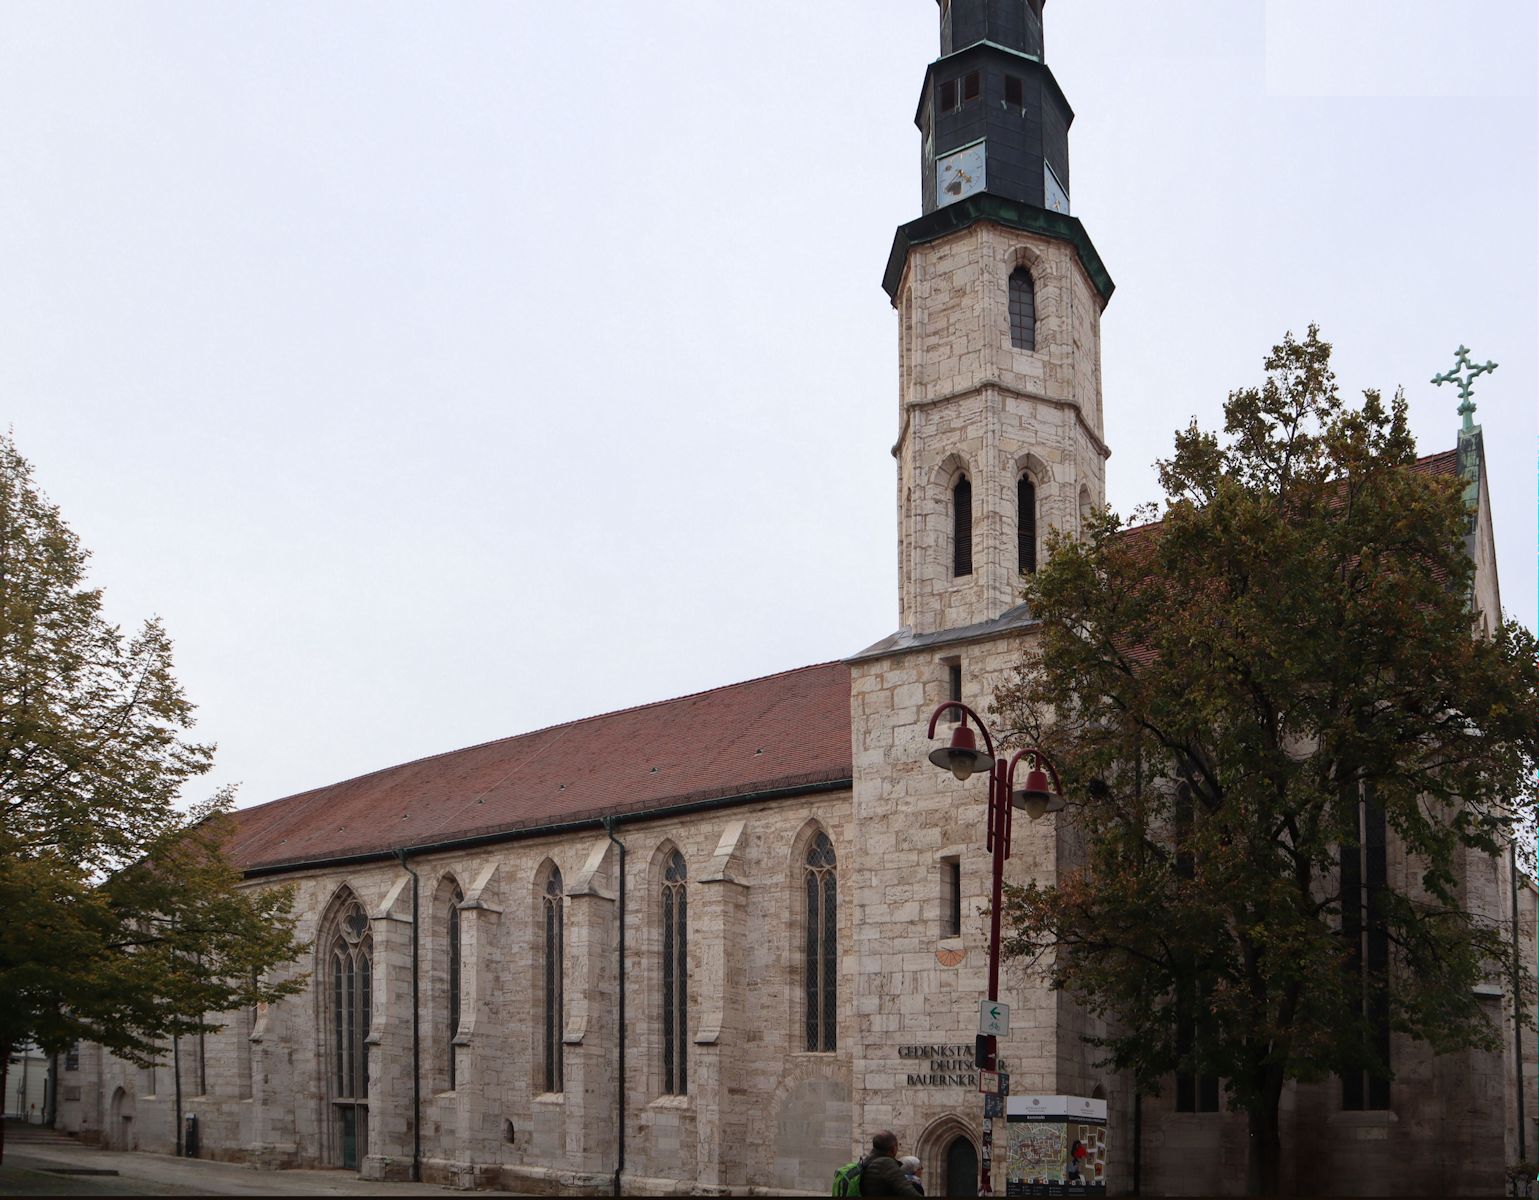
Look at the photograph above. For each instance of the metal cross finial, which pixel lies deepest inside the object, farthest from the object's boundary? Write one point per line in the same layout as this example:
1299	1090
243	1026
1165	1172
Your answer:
1466	382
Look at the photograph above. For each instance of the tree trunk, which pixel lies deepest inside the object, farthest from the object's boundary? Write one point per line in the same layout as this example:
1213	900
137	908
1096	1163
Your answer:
1263	1165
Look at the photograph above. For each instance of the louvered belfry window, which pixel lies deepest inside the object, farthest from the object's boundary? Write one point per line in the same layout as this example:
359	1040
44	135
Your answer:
1026	523
352	953
1023	310
962	527
675	977
821	965
455	899
554	951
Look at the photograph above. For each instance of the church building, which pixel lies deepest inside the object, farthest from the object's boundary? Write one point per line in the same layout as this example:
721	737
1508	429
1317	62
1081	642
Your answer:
714	943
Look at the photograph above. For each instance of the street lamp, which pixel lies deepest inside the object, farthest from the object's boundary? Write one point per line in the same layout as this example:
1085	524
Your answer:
963	758
1033	796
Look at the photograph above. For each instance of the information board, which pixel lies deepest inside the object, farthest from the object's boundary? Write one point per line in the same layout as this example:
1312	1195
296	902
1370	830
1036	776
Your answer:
1055	1146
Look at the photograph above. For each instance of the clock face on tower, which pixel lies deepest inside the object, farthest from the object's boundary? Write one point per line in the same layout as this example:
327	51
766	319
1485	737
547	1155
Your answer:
959	174
1053	192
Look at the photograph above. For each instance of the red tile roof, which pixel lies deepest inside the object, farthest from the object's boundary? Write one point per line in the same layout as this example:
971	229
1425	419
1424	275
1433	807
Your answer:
782	732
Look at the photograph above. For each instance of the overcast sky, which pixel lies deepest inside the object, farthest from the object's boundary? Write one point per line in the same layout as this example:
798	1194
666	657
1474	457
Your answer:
441	372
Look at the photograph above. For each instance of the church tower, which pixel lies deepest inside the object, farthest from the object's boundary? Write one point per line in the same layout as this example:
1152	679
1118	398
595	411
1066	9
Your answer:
999	293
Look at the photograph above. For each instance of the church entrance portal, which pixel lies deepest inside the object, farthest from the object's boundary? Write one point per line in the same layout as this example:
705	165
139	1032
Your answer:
961	1168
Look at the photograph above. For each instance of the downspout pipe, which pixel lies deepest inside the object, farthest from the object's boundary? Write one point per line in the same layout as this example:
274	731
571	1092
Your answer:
1517	1001
609	828
416	1024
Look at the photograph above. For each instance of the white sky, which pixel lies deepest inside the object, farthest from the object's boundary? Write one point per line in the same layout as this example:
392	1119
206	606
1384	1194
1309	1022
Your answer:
443	372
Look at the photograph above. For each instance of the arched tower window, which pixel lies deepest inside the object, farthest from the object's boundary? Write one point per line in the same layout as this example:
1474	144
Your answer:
821	965
1026	523
349	957
962	527
456	898
675	977
1023	310
554	963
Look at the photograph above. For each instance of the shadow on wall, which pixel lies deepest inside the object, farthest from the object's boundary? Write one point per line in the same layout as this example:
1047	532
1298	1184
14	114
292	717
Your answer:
813	1134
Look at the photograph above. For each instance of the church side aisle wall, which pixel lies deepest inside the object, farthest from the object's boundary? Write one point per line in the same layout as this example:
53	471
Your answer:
758	1107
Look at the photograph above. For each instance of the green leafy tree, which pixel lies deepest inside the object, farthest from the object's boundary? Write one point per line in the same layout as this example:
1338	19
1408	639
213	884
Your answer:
124	922
1224	691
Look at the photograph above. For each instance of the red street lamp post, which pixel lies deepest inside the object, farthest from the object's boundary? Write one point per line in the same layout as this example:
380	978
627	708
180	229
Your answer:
962	758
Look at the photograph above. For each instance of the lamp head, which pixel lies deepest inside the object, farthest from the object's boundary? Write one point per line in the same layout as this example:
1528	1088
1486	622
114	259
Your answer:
962	757
1035	795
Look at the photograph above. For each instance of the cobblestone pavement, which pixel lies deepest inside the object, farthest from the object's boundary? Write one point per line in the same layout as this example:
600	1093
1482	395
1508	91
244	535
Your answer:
31	1169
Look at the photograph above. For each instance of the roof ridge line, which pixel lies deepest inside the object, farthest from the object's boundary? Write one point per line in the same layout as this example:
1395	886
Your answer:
512	737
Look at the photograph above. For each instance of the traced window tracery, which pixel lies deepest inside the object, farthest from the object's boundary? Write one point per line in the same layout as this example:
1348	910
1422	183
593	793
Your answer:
554	964
820	964
456	898
675	973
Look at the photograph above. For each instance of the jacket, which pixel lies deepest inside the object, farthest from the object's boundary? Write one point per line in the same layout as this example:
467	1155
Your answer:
884	1177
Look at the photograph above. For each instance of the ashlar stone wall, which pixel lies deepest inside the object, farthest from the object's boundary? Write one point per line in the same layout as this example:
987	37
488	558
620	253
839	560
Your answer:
973	404
760	1109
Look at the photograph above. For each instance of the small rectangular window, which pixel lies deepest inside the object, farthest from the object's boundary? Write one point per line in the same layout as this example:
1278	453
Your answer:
970	88
948	95
951	897
1015	92
953	686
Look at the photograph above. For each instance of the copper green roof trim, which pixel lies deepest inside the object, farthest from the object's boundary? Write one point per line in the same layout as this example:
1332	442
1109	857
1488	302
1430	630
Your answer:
986	207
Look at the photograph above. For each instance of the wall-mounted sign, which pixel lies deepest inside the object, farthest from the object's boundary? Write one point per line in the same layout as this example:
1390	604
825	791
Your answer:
944	1064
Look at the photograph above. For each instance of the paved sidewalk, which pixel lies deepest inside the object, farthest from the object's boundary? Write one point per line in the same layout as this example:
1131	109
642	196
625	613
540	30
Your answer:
29	1167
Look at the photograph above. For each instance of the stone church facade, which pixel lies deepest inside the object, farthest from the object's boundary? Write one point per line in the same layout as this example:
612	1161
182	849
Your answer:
713	943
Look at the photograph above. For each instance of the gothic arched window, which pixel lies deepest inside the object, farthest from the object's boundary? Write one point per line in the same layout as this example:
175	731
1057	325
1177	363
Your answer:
456	898
962	527
1023	310
1026	523
550	909
675	976
821	964
350	963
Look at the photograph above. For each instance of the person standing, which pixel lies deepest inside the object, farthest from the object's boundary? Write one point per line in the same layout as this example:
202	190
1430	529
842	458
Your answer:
912	1169
883	1175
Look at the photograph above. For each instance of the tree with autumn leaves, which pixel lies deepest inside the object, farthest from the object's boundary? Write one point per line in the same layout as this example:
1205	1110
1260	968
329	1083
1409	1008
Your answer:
124	922
1234	693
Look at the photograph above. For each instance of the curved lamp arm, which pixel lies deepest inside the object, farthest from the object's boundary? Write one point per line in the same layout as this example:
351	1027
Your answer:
1039	759
988	742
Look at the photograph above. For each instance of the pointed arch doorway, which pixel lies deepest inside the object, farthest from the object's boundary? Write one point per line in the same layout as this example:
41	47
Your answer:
961	1167
950	1157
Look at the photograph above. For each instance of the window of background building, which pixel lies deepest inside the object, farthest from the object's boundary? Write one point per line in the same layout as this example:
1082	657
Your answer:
1364	869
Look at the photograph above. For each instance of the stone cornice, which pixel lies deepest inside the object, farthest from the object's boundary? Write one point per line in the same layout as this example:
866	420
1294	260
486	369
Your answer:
962	393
